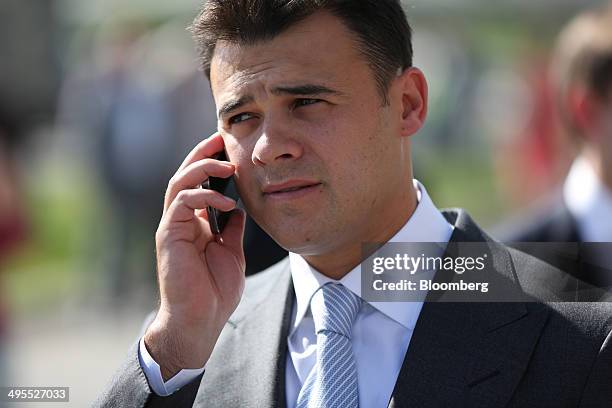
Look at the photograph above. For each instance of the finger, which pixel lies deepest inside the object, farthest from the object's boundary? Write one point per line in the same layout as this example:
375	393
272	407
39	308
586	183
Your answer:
194	174
206	148
188	201
233	235
202	214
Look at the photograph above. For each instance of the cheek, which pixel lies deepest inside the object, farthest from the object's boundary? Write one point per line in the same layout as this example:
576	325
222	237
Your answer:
342	136
237	151
239	154
365	167
358	174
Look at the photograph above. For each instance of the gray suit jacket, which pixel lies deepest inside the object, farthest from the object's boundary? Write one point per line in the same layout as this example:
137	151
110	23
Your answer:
531	354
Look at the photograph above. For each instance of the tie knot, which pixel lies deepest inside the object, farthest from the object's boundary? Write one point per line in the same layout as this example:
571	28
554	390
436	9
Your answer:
334	308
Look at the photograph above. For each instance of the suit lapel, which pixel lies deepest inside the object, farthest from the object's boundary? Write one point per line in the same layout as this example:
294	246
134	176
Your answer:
473	353
247	367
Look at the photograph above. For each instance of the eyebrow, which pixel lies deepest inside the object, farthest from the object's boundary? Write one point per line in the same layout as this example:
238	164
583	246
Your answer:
306	89
231	106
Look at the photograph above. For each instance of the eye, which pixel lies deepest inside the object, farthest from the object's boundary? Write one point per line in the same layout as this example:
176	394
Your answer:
305	102
239	118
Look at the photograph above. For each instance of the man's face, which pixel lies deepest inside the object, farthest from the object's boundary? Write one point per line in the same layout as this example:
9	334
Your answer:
303	110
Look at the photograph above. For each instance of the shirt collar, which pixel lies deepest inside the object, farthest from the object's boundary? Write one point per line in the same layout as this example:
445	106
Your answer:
589	202
426	224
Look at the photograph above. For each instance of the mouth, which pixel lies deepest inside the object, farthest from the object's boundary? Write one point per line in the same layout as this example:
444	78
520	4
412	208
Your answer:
291	189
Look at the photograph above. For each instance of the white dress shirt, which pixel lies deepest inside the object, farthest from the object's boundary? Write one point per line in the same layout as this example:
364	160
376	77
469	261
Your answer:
381	331
589	201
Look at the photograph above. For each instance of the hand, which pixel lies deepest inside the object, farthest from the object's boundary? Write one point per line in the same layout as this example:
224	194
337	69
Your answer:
200	280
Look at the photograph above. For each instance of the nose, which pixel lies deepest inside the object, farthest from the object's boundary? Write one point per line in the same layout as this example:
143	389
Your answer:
278	142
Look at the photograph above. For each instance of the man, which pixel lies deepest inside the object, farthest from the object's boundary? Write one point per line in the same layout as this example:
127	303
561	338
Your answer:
582	213
317	103
13	224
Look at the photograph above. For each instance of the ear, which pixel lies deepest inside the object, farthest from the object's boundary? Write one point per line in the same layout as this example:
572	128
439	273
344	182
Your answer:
413	88
584	112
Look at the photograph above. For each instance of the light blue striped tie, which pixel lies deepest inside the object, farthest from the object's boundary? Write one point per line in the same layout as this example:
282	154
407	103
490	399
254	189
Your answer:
333	380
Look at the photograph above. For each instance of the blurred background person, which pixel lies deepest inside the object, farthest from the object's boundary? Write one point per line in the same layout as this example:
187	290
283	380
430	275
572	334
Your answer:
24	53
123	116
13	225
581	211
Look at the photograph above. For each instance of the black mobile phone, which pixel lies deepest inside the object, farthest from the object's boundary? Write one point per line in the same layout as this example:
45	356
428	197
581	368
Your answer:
218	219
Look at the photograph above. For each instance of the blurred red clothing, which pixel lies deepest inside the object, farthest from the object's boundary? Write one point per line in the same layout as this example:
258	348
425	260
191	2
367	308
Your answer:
12	222
12	232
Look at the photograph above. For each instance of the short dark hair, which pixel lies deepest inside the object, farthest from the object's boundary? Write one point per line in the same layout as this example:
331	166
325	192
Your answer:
381	28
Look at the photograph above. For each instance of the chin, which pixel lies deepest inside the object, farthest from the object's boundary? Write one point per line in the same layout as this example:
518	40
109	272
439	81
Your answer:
305	243
303	233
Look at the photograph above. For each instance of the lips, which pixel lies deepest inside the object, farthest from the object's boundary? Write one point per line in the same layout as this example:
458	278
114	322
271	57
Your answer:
288	186
289	189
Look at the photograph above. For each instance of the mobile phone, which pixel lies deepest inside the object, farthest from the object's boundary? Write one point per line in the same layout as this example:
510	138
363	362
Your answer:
218	219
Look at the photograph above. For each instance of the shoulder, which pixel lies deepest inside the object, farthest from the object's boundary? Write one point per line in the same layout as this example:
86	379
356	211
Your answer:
262	281
548	220
572	306
258	288
584	308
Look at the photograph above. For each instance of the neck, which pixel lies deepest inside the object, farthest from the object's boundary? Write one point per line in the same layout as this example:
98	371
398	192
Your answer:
342	260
